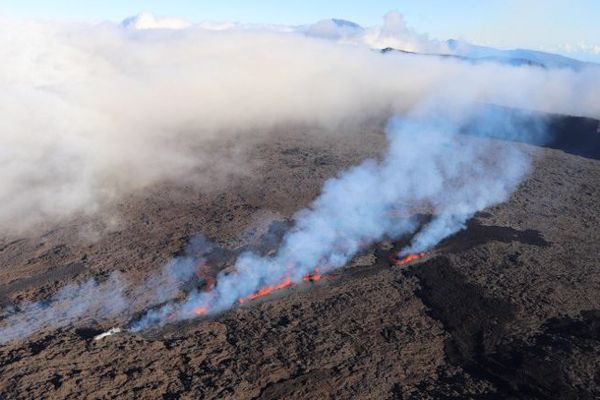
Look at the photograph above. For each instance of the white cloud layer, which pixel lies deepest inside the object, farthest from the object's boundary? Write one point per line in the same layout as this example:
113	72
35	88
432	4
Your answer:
91	112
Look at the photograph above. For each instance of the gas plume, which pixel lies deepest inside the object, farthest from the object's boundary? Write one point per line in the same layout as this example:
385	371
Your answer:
429	163
98	300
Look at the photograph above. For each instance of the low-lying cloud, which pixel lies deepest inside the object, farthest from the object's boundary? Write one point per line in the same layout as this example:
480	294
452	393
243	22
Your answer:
91	112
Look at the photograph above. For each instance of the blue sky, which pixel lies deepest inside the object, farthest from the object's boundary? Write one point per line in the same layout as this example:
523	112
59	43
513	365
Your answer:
551	25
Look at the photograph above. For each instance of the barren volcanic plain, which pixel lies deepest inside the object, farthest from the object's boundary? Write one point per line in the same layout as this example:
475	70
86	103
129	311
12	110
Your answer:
507	308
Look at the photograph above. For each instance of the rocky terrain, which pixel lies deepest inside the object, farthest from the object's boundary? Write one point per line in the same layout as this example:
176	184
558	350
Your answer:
507	308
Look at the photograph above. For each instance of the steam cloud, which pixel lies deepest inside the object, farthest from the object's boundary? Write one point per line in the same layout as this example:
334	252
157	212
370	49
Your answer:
91	112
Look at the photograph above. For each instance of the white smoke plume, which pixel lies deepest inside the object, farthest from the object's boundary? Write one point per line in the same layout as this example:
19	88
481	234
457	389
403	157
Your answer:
92	112
100	300
91	300
428	163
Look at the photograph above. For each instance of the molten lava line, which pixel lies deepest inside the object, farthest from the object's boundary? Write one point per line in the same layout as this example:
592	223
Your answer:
267	290
409	258
200	311
313	277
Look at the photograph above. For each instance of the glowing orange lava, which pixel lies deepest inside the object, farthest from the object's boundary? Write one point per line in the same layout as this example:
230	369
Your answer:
312	277
200	311
267	290
409	258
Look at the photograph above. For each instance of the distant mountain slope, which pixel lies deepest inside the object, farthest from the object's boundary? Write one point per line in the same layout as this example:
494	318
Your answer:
510	61
393	35
339	28
516	56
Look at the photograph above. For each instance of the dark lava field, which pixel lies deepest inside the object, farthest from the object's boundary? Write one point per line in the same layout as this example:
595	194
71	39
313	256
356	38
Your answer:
508	308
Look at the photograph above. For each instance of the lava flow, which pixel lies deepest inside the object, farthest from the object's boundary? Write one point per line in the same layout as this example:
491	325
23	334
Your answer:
200	311
409	258
267	290
312	277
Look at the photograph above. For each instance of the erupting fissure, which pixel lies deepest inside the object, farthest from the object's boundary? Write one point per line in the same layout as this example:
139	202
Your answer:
428	162
267	290
286	283
410	258
314	276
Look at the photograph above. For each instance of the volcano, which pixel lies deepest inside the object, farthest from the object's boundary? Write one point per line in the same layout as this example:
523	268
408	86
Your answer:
506	308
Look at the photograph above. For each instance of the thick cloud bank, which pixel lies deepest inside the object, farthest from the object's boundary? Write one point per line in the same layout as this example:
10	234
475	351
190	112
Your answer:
90	112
